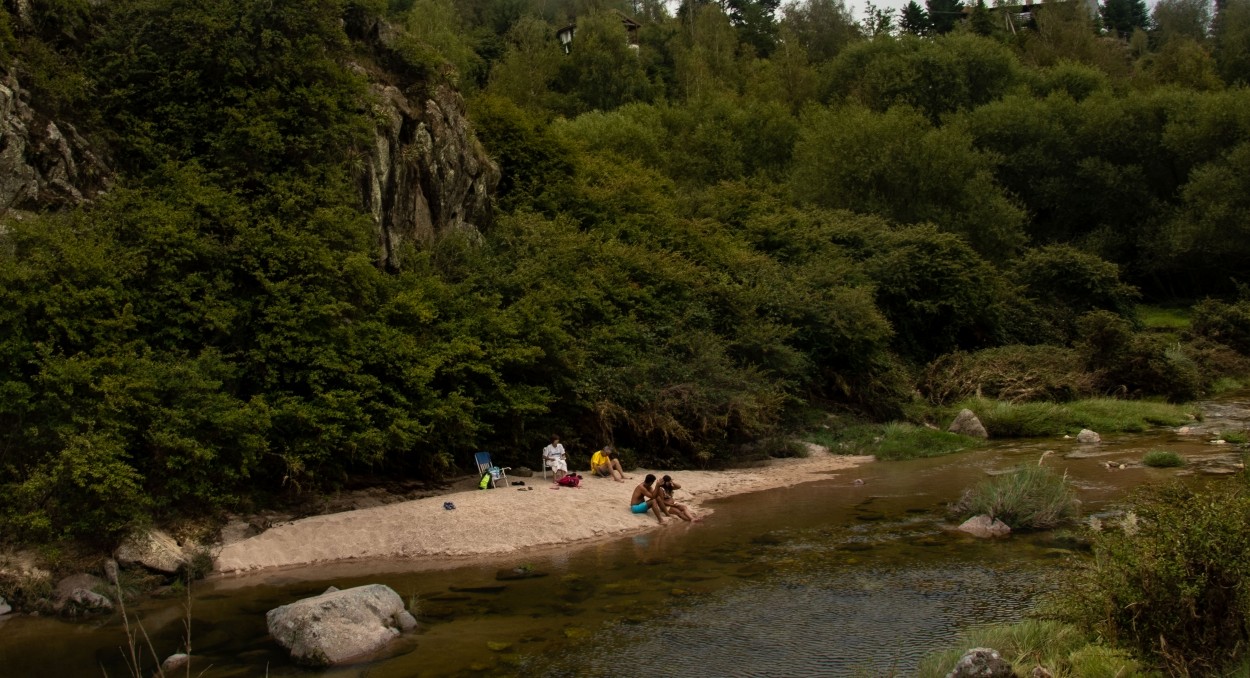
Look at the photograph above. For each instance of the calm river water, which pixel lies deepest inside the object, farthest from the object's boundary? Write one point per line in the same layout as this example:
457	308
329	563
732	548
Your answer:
823	579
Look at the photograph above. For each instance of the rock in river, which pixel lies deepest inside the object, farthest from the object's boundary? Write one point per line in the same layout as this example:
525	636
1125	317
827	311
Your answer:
339	626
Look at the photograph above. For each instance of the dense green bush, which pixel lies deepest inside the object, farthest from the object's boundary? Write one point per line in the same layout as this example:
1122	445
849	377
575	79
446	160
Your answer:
1228	324
1174	583
1135	364
1031	498
1162	459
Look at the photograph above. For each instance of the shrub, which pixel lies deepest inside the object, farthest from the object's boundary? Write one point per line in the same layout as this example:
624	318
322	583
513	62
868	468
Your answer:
1162	459
1011	373
891	442
1176	588
1136	364
1228	324
1031	498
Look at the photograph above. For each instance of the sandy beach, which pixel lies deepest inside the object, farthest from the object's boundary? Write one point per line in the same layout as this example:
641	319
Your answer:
506	519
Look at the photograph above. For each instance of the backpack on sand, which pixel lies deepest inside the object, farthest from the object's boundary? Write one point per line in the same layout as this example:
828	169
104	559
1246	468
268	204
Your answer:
570	480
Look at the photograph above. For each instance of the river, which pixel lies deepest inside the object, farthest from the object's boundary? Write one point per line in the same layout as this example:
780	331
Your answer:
827	578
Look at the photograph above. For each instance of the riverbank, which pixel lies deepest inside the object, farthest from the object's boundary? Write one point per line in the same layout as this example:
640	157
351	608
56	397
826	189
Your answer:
507	519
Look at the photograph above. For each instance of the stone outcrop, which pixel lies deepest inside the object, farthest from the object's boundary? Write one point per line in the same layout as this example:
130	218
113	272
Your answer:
44	163
152	549
337	627
425	174
981	662
985	527
967	424
5	608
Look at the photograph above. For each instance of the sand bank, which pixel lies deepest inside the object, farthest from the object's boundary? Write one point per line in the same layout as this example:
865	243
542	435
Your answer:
504	520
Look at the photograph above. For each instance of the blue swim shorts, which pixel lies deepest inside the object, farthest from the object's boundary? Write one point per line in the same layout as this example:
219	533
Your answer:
640	507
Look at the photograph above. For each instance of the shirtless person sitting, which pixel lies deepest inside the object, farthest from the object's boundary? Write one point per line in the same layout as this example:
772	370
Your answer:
664	499
606	463
644	498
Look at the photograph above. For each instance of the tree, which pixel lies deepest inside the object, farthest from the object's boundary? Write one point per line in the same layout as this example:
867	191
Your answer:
980	21
1123	16
823	27
944	14
1174	19
1232	41
603	72
756	23
878	21
897	165
914	19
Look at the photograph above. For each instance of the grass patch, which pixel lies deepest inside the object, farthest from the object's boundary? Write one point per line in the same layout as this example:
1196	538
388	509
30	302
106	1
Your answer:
1060	648
1031	498
1236	437
1163	318
1105	415
1226	384
1162	459
890	442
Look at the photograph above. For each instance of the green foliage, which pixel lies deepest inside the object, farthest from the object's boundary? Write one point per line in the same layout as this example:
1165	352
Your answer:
603	72
1163	459
534	164
933	76
1064	650
1038	419
1030	498
1133	363
1172	583
894	441
1062	283
900	167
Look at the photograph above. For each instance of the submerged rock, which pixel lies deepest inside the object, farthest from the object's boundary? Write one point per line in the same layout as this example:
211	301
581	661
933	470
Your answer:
967	424
981	662
985	527
339	626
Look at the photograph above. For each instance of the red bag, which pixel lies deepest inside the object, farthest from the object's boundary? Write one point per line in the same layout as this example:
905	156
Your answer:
570	480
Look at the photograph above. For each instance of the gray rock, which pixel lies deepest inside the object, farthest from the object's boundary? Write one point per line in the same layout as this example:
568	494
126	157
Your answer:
152	549
110	571
5	608
44	163
985	527
406	621
338	627
82	601
426	174
1088	436
332	589
981	662
175	662
967	424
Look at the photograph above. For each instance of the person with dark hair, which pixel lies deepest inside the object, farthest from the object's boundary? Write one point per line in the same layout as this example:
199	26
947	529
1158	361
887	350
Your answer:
644	498
664	499
556	458
605	463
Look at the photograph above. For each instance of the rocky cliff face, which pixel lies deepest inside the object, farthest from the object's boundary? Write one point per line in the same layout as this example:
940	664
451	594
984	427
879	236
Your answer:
425	174
44	164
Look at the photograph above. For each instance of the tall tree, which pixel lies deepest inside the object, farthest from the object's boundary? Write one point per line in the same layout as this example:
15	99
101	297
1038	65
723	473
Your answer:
1232	40
1124	16
823	27
914	19
1181	19
944	14
878	21
981	22
756	23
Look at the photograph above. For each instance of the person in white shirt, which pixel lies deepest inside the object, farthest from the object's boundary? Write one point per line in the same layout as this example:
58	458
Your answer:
556	458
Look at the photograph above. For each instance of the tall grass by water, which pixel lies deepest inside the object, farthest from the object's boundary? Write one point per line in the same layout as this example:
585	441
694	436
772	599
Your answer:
1105	415
894	441
1062	649
1163	459
1030	498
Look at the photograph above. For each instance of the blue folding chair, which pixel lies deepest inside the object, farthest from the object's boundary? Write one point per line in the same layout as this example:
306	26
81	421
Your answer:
485	465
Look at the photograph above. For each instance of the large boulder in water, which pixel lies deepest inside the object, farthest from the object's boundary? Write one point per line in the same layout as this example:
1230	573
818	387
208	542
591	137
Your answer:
981	662
337	627
1088	436
967	424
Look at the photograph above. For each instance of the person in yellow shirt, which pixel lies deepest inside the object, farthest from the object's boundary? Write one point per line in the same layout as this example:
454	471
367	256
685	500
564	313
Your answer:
605	463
